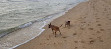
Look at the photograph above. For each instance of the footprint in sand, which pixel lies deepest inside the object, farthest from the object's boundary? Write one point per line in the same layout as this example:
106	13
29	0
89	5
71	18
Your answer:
47	44
75	47
82	28
84	17
82	41
101	29
99	25
93	34
47	39
76	41
65	40
64	37
54	43
91	28
83	22
100	39
98	32
108	14
105	9
91	41
88	24
40	43
74	34
97	21
97	18
109	19
84	47
90	38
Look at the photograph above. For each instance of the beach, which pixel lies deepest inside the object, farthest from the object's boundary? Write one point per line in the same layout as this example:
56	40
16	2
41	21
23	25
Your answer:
23	20
90	29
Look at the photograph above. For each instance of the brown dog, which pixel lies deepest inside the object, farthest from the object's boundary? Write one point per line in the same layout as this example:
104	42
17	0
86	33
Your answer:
67	24
54	28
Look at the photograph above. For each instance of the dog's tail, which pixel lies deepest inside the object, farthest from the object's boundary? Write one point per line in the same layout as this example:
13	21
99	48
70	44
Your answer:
61	25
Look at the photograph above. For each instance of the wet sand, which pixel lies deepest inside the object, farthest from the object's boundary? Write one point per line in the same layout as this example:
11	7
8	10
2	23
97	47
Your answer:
90	29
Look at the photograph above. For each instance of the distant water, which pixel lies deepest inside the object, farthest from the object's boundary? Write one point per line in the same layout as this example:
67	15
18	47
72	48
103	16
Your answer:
15	13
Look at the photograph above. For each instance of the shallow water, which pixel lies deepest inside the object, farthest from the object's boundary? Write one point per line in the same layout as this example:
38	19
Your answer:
17	12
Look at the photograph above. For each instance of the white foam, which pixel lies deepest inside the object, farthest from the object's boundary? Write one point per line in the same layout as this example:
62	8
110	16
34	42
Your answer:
31	38
25	25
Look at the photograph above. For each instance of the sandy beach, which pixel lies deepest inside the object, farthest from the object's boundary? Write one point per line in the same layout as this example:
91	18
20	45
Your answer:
90	29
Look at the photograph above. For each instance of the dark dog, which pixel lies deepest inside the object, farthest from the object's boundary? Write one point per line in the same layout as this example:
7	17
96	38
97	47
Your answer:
67	24
54	28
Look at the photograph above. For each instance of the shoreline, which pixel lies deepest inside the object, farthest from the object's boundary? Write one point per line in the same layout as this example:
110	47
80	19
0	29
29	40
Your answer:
10	30
82	33
25	25
31	38
55	16
5	31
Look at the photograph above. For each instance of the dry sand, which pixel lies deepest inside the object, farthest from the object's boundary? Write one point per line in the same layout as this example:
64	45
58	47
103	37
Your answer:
90	29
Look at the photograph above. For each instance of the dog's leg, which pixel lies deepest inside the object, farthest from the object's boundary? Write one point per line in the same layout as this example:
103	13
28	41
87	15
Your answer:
55	33
60	32
69	26
65	26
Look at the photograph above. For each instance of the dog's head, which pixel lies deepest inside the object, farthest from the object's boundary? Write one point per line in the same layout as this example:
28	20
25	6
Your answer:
68	21
49	25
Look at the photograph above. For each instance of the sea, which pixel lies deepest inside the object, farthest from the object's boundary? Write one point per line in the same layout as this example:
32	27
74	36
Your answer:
23	20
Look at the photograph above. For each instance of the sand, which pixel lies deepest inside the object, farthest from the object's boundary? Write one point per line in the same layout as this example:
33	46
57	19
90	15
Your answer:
90	29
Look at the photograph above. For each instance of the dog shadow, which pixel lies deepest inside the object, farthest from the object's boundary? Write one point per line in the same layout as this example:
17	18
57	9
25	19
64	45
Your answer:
69	27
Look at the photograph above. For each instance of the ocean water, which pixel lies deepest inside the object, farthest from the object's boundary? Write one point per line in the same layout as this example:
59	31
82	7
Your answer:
31	13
